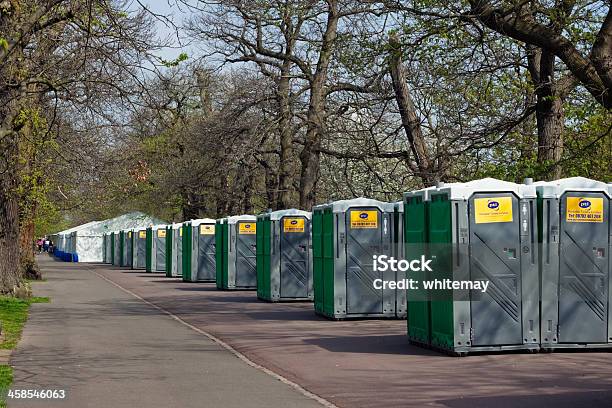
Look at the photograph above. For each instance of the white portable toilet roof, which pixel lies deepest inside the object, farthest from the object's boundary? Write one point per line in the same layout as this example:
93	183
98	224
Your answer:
556	188
200	221
277	215
343	205
423	192
463	191
237	218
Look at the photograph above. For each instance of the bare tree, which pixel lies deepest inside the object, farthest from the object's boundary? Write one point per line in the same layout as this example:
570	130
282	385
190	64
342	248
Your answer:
61	55
524	21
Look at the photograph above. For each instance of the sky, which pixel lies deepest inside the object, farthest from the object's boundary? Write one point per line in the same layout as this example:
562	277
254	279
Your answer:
177	14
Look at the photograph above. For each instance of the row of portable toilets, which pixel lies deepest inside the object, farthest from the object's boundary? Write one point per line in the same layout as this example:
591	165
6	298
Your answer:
543	247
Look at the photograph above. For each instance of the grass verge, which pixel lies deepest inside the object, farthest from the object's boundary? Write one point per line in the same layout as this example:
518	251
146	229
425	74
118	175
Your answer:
13	315
6	378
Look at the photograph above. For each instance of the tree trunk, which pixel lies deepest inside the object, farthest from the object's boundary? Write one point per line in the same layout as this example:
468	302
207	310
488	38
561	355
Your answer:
286	141
247	202
203	79
10	273
221	196
309	158
271	181
549	114
549	111
311	154
410	120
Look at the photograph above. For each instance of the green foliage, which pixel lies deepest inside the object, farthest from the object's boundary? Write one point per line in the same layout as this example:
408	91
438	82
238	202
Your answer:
13	315
35	183
6	379
588	142
174	63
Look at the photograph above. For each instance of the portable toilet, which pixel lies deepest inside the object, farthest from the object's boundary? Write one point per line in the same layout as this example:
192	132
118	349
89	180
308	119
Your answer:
415	237
139	248
112	247
199	250
346	235
126	259
104	247
235	240
117	247
575	234
284	256
398	252
484	231
174	250
156	249
108	253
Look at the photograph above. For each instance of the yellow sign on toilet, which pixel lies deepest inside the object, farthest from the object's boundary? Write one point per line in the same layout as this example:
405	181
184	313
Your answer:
581	209
293	224
364	219
207	230
492	209
247	228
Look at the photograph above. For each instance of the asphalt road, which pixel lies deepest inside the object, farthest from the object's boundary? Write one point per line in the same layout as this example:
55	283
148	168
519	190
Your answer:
106	348
110	348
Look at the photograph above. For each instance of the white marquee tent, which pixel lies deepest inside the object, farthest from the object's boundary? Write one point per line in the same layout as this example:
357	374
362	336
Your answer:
86	241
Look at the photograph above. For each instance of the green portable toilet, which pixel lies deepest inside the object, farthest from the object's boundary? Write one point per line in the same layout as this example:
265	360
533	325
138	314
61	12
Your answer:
484	231
156	249
126	259
199	250
112	247
345	236
117	247
284	254
139	248
416	236
174	250
575	234
235	240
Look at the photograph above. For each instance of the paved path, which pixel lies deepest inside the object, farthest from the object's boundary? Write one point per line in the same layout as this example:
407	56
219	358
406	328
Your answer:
105	345
107	348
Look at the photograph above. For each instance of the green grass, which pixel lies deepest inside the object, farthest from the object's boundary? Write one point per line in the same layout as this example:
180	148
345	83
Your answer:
13	315
6	378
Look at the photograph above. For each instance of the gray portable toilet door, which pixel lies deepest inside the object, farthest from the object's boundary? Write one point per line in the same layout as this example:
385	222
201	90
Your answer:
129	248
294	235
179	253
118	255
141	248
583	268
363	240
246	273
160	253
495	257
206	252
